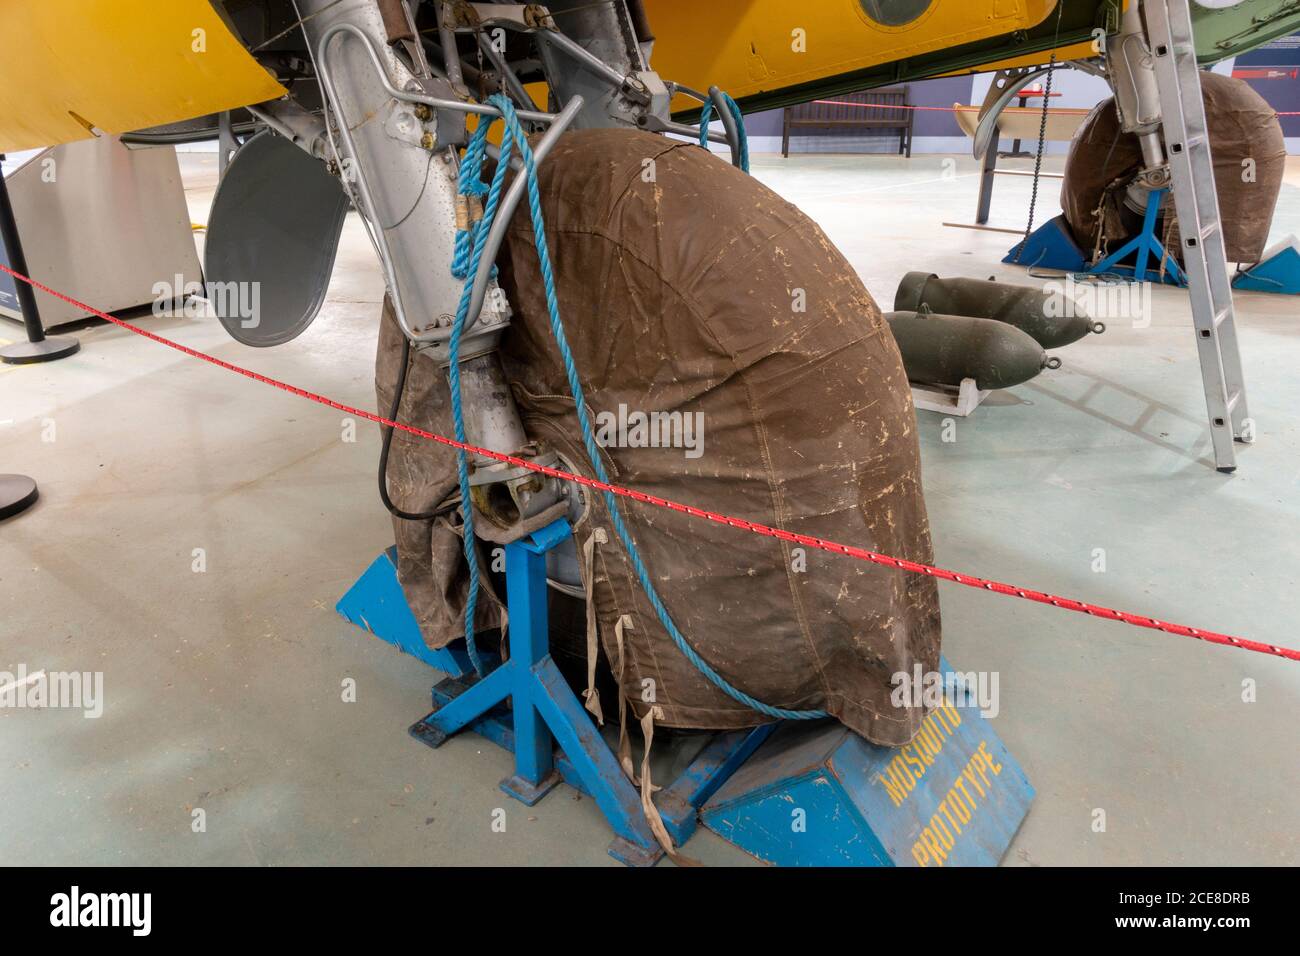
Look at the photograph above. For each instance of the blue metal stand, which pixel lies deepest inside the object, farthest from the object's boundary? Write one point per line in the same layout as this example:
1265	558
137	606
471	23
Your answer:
376	603
679	803
954	796
1051	246
544	710
1145	245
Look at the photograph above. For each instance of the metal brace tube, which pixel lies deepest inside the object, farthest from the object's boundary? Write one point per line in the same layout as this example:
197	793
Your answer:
496	235
587	59
410	97
508	76
728	123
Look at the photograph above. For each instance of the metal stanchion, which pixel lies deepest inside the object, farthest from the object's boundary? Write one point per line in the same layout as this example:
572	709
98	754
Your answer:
37	348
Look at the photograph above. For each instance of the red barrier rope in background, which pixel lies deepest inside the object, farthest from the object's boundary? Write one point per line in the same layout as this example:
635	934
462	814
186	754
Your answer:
861	554
1056	110
1072	110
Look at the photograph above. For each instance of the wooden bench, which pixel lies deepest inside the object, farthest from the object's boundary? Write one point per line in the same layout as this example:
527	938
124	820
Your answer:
836	112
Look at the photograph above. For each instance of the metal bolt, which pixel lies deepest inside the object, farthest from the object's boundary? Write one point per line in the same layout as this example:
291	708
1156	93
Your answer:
427	141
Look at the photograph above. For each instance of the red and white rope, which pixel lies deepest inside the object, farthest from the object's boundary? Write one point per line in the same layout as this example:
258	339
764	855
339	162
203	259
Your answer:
823	544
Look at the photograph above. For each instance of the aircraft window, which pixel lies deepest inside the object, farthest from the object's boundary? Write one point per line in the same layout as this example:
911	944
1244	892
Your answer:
894	13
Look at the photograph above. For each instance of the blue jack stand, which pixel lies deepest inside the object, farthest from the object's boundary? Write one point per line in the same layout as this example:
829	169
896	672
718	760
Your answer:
1145	245
679	803
1051	246
544	712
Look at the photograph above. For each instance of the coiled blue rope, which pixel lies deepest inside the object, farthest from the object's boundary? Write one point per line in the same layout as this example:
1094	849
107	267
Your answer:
706	115
513	135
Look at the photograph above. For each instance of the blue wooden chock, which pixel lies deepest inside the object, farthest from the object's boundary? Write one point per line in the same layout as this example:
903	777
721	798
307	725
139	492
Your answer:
544	710
376	603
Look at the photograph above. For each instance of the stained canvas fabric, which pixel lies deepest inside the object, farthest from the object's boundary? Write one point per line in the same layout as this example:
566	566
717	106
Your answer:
1243	127
689	289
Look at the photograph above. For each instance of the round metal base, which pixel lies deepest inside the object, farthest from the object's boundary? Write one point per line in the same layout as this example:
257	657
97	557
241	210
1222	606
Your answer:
17	494
46	350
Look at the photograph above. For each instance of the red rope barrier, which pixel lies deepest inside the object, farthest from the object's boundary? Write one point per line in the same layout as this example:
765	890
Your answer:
1059	110
1055	110
861	554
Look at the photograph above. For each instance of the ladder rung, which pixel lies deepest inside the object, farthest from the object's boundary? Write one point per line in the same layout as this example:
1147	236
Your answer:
1208	229
1222	315
1233	399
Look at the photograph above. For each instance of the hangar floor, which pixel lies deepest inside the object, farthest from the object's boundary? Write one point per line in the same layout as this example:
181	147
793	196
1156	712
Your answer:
223	688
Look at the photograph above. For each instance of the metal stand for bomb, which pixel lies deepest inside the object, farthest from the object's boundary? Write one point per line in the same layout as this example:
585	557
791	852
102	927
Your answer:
960	401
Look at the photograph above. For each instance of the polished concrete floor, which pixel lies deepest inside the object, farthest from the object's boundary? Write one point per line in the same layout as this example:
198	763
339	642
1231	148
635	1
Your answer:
223	689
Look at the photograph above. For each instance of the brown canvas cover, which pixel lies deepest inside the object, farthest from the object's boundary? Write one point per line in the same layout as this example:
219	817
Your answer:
1242	127
687	286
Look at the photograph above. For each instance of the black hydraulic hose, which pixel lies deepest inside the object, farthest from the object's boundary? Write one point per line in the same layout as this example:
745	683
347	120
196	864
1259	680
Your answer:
387	443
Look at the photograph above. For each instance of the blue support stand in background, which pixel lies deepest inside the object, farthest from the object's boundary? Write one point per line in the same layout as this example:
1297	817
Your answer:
1052	246
1144	246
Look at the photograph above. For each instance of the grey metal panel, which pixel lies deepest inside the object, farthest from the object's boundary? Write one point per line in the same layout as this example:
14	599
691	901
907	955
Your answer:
276	221
103	224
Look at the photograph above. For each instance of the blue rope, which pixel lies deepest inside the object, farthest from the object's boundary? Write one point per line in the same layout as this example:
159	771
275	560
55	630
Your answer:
470	183
706	115
474	251
514	134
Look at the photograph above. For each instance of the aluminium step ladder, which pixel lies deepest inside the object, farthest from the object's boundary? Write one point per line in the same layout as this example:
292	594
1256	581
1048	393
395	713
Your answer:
1187	144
